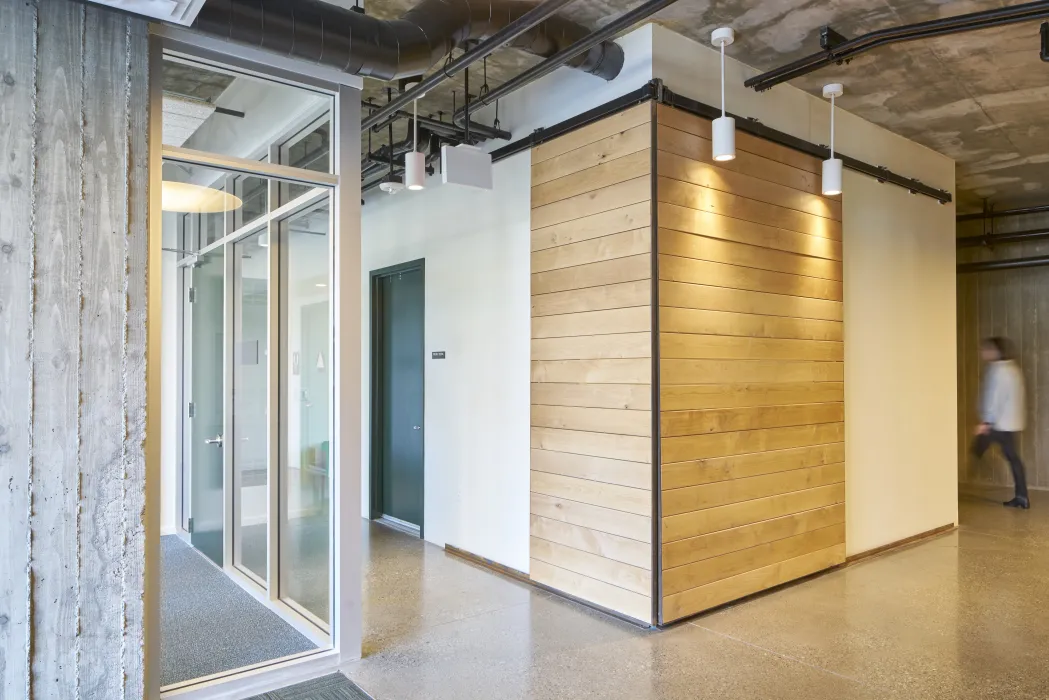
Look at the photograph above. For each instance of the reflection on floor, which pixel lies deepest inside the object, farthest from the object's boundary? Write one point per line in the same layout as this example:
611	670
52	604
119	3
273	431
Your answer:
209	624
961	616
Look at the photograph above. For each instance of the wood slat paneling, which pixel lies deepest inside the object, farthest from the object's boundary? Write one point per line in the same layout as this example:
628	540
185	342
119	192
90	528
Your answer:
630	396
598	420
603	544
715	544
699	296
592	365
636	475
751	353
623	167
611	296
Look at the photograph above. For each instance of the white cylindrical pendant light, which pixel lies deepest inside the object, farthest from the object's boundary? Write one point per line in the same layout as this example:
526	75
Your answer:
724	128
415	162
832	167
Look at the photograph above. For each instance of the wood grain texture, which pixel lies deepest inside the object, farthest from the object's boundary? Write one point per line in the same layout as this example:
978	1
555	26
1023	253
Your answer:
722	420
726	590
613	522
680	449
617	245
698	574
626	166
693	346
700	148
592	365
699	296
598	420
636	475
703	272
745	184
636	397
677	475
592	590
611	371
751	353
612	547
593	347
592	133
611	296
704	223
715	544
704	322
632	216
698	247
632	269
595	566
684	397
17	143
594	493
738	206
622	143
701	522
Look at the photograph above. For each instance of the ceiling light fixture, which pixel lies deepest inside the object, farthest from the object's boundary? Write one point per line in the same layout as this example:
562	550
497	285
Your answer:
832	167
415	162
724	129
187	198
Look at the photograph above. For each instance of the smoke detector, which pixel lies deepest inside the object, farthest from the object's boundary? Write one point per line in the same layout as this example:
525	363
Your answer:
391	186
178	11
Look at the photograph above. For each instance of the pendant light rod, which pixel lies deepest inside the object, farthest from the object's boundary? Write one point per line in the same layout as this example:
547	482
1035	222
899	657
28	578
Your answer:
832	97
832	167
722	78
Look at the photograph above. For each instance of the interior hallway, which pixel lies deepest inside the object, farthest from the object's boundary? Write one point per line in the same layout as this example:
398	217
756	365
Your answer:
959	616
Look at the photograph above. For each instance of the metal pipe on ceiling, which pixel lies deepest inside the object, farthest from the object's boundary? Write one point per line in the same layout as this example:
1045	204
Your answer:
1002	238
619	24
1015	263
487	47
448	129
353	42
1040	209
908	32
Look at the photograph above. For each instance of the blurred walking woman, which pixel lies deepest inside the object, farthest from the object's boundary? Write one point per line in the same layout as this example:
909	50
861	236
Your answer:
1002	412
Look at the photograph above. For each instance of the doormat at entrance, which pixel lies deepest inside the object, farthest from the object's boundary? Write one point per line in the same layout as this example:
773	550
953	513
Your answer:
333	687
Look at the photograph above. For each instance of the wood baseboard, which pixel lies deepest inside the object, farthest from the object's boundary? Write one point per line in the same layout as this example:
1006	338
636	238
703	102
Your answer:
914	539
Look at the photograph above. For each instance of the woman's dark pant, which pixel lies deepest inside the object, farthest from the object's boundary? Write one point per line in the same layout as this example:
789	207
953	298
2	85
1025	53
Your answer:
1007	444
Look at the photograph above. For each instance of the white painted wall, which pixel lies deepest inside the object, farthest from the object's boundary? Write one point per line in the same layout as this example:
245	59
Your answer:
899	257
901	395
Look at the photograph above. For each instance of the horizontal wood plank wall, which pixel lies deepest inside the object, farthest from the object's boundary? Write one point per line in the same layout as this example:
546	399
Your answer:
751	368
591	486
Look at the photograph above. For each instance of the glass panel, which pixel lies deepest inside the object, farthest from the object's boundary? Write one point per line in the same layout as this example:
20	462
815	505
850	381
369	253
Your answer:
310	150
214	203
305	405
250	403
205	368
218	110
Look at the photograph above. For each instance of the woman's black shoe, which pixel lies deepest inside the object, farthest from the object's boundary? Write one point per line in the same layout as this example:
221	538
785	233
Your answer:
1018	503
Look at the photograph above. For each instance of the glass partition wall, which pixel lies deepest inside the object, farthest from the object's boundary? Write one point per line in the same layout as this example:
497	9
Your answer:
253	240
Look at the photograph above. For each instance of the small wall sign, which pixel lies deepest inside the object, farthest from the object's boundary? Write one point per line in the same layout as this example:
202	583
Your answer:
437	355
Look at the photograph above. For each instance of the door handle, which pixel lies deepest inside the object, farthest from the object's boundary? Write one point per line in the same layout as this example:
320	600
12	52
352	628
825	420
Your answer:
417	427
217	440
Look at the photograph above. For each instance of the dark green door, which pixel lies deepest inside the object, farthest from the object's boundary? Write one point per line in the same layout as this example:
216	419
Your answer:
400	382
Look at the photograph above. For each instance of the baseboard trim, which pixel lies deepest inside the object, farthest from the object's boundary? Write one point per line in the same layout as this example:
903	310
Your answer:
525	578
899	544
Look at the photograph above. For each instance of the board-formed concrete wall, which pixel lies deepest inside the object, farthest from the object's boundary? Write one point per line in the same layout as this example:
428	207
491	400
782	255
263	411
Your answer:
74	171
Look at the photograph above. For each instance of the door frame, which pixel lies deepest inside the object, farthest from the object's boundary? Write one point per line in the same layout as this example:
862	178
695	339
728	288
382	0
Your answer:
375	395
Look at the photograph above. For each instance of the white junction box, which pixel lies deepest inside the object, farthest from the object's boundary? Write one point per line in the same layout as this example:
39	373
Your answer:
466	165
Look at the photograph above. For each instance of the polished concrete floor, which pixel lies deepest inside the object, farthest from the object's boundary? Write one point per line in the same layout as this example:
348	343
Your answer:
962	616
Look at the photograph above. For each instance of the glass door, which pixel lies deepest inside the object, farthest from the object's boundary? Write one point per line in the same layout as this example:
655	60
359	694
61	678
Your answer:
204	357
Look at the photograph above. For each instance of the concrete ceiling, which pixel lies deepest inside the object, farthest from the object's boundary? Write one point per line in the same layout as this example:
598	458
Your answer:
978	97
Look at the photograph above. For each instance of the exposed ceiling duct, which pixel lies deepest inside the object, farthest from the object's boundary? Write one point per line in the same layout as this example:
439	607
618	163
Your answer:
353	42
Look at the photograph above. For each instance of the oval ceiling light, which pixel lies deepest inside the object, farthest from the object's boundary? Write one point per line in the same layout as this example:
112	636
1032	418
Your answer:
415	162
832	167
724	128
187	198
